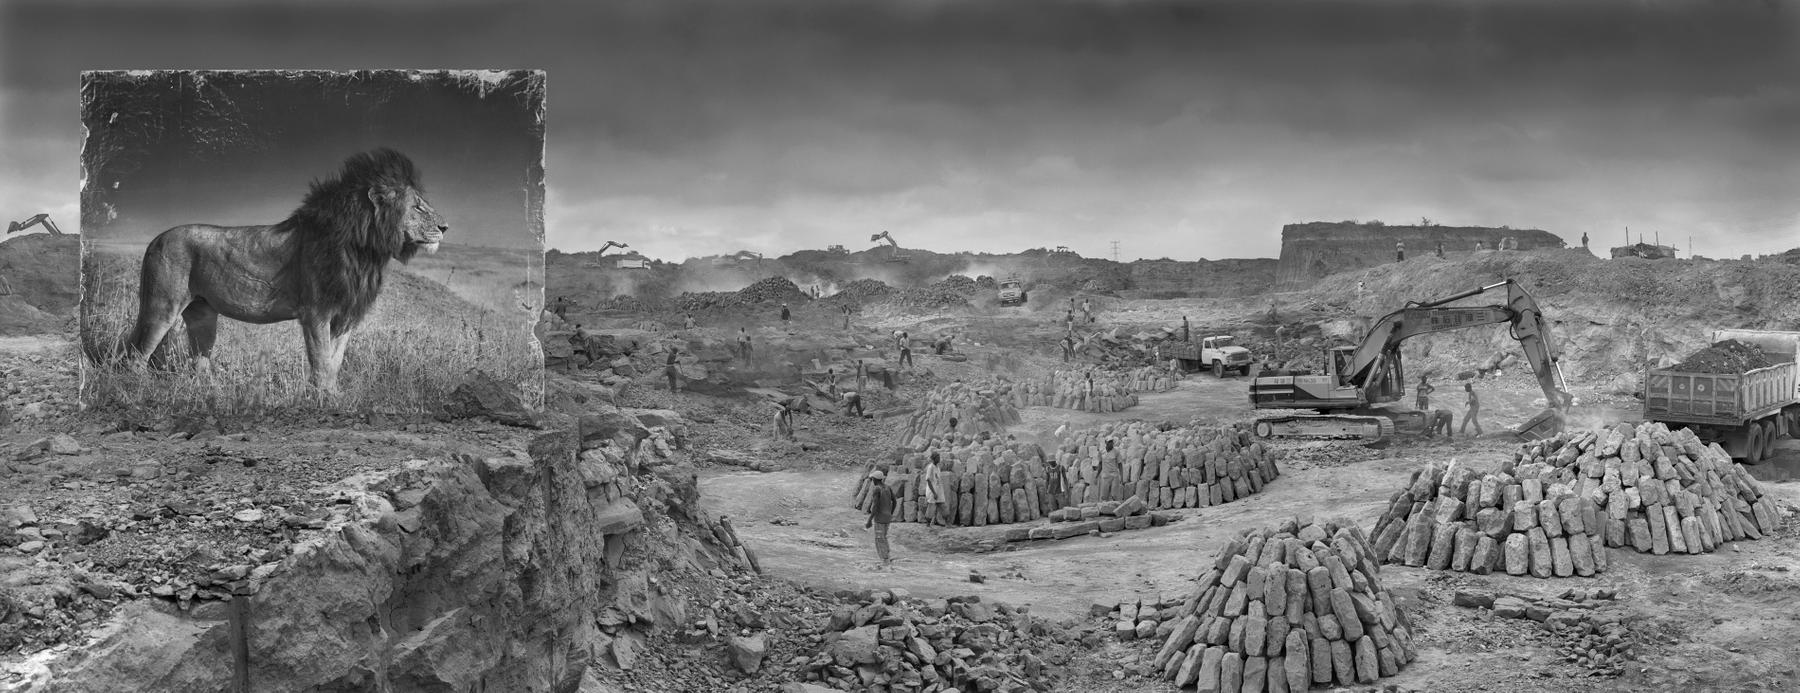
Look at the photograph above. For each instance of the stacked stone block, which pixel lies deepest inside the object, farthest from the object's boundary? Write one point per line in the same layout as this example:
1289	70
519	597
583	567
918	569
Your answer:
1553	509
1112	390
978	407
1284	609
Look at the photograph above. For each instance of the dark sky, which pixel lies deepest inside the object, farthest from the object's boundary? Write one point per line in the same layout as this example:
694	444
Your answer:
239	148
1182	129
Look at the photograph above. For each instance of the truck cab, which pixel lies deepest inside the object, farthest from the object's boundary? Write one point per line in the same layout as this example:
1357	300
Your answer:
1223	355
1012	292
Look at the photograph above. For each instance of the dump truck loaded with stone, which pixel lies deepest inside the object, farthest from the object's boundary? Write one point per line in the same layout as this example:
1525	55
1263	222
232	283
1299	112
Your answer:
1741	392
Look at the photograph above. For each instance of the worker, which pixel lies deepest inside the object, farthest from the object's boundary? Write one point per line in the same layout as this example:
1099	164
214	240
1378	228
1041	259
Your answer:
831	382
562	305
1069	318
1440	249
1584	239
1438	422
784	313
1068	348
906	360
929	481
783	424
846	316
1423	401
881	512
1473	413
942	345
744	344
1053	480
853	403
688	320
1399	251
1480	246
1087	310
1185	335
671	371
862	375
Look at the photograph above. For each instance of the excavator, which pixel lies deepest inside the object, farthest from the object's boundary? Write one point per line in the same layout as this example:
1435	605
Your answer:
898	255
1361	381
13	227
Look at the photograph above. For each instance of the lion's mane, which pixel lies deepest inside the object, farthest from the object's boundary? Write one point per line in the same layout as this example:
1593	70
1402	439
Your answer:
342	241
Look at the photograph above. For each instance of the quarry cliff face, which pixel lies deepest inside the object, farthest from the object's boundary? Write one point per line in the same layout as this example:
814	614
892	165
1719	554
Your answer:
1201	279
465	574
1317	249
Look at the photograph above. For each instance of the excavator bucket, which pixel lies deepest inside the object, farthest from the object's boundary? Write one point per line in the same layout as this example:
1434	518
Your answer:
1546	424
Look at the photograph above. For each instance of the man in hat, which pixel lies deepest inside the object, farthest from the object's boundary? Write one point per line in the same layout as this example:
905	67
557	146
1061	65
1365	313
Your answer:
881	512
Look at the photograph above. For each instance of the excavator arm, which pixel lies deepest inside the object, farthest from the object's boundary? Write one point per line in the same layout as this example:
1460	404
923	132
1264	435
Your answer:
1375	365
13	227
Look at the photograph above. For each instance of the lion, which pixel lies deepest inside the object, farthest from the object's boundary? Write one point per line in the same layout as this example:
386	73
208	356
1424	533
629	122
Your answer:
324	265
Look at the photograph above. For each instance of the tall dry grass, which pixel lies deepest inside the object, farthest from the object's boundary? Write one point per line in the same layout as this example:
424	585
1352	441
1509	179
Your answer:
415	347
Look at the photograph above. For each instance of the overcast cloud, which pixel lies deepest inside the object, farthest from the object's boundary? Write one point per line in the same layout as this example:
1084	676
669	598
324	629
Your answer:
1180	129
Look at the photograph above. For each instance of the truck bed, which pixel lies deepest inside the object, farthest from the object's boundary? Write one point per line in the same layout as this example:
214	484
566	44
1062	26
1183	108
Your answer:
1722	399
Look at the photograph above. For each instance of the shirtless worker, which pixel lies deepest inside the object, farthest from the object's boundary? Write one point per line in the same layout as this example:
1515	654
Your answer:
1473	414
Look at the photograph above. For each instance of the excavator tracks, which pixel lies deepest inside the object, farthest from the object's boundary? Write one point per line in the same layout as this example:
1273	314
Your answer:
1325	427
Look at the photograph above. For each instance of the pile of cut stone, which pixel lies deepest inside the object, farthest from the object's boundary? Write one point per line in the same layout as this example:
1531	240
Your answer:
983	480
982	406
1193	466
772	289
1091	389
1594	636
1110	516
1556	506
1285	608
707	300
952	291
893	642
863	290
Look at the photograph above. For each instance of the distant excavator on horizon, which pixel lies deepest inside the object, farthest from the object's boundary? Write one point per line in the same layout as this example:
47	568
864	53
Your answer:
898	255
13	227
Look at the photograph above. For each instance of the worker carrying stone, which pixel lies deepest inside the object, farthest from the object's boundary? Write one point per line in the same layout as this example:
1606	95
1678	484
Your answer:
881	513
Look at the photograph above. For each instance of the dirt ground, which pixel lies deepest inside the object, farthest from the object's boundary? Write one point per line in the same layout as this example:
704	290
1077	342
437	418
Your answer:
1710	622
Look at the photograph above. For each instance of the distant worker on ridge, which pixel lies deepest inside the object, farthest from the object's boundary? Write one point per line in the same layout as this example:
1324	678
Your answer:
1399	251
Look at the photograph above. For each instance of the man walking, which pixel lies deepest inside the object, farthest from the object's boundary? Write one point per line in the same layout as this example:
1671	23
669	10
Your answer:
934	498
1473	413
784	313
1423	401
881	512
744	344
906	360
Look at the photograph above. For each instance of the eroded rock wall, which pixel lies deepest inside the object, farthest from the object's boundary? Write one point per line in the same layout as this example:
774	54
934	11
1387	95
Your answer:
469	574
1319	249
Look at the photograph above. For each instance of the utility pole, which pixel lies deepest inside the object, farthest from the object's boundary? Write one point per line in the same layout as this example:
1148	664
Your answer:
1115	251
